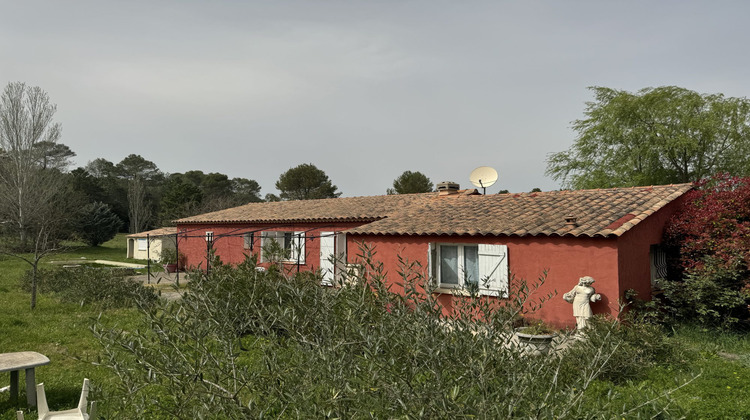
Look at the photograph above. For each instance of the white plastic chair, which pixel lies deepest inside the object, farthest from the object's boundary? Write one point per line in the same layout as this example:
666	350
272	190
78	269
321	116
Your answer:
78	413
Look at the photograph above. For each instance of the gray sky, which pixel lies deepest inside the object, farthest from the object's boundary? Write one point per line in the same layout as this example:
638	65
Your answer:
362	89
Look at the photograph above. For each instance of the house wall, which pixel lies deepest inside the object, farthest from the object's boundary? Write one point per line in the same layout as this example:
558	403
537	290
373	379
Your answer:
617	264
229	242
634	247
154	249
565	259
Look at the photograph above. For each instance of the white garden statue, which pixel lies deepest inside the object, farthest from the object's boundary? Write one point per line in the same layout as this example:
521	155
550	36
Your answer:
581	297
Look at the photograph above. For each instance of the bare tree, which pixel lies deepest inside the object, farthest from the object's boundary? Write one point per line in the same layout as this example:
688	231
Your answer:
43	236
35	206
26	116
139	211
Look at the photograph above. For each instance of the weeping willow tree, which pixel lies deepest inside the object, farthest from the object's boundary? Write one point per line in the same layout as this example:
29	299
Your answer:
654	136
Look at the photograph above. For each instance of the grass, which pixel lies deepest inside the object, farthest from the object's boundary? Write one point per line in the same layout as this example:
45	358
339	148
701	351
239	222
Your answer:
723	362
714	364
708	376
58	330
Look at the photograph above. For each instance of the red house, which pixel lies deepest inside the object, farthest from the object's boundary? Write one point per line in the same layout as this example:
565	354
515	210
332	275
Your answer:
612	235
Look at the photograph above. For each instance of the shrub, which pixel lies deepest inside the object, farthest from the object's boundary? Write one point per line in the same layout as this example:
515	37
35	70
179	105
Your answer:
631	346
710	239
709	296
108	287
97	223
171	256
252	344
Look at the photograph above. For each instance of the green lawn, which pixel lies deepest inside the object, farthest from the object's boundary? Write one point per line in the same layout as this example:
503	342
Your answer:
723	362
716	364
708	379
60	331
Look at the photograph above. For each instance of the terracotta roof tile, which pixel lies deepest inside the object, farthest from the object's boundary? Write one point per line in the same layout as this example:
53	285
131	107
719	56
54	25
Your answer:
323	210
154	233
603	212
597	212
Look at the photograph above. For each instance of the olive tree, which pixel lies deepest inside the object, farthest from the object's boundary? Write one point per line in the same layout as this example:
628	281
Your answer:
262	344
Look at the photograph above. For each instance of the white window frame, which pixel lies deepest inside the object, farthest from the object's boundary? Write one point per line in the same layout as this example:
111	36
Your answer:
461	269
492	261
292	240
247	240
142	244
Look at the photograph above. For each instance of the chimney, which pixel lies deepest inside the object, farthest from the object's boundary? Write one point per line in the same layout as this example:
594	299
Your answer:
447	188
571	221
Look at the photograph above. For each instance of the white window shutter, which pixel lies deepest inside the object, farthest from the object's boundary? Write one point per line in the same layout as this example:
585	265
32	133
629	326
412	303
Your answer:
265	238
432	263
327	256
493	269
299	247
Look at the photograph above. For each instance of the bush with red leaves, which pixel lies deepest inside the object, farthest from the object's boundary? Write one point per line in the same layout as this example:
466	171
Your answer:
711	239
715	222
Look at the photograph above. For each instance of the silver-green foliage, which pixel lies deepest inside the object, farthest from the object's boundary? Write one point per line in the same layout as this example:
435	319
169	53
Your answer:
654	136
249	344
105	287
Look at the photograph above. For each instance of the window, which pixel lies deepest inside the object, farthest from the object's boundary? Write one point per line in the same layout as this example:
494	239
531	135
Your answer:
142	245
289	247
658	263
483	267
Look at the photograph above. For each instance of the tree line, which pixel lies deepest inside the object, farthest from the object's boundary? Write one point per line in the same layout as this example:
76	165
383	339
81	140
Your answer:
44	198
142	196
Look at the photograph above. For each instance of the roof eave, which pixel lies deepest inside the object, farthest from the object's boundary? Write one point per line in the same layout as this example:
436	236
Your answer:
275	221
486	234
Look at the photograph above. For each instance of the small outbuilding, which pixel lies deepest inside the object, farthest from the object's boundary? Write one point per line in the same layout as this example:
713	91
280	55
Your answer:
150	244
461	237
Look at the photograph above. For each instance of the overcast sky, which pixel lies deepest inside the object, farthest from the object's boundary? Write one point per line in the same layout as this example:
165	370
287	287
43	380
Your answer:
364	90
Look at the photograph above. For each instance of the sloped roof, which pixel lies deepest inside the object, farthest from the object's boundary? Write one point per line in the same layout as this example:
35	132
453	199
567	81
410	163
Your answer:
165	231
354	209
603	212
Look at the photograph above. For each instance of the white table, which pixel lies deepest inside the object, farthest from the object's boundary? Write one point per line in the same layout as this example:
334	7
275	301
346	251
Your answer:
23	360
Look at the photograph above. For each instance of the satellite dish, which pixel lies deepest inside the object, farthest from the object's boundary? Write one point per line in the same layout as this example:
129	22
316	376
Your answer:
483	177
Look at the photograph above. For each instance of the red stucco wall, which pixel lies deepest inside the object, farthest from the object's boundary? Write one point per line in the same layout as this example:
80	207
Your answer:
229	243
565	259
617	264
634	247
